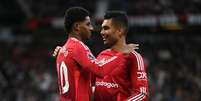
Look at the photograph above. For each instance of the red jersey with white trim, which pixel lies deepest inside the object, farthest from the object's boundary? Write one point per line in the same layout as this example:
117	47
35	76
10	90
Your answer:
75	62
127	82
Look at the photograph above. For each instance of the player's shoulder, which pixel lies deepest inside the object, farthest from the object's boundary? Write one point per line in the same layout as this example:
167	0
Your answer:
135	54
77	44
106	52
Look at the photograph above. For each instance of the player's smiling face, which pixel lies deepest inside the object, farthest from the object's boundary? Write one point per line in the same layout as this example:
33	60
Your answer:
109	33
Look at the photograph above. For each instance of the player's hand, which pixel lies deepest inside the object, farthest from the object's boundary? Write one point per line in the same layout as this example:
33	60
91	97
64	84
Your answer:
56	51
129	48
134	46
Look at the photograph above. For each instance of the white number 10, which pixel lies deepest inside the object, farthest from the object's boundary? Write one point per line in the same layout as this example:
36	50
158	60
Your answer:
64	78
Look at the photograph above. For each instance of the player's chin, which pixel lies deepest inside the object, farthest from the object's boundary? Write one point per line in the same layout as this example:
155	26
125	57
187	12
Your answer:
88	36
105	42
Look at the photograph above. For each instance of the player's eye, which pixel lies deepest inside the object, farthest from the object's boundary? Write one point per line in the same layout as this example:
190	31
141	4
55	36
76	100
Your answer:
89	24
105	27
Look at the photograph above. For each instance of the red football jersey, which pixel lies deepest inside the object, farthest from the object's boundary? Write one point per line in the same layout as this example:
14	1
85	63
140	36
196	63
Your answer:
127	82
75	62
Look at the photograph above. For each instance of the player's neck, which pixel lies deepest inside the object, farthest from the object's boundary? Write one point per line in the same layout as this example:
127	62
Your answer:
74	35
120	45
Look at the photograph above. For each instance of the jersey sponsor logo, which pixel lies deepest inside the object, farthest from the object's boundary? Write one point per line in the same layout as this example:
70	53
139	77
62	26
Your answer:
107	84
142	75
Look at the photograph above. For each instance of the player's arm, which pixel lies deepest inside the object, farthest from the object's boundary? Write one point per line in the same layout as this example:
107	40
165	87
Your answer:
57	49
89	62
134	46
138	77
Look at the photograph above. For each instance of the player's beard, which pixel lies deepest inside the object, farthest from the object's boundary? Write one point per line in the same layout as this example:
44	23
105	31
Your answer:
109	43
85	36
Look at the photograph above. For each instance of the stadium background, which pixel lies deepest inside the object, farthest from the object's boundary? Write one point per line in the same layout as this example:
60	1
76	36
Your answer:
168	31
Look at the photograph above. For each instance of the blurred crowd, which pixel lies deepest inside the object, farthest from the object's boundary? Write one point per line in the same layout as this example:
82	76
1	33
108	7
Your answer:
173	66
18	10
28	71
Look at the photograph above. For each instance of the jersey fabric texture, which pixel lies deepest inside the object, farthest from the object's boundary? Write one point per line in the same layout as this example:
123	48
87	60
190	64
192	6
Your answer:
75	63
127	82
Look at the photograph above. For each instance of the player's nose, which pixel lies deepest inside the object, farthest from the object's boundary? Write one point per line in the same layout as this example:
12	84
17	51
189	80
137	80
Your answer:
91	28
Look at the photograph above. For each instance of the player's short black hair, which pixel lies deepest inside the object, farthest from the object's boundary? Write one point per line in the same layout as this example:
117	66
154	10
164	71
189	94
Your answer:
119	19
73	15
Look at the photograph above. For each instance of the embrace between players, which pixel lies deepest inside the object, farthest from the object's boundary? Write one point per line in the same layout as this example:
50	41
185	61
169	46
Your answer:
119	70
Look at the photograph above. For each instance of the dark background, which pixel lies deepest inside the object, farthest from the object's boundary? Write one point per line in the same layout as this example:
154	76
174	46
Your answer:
168	31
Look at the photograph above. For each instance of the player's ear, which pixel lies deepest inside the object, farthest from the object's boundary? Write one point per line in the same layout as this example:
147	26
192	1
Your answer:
120	30
76	26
